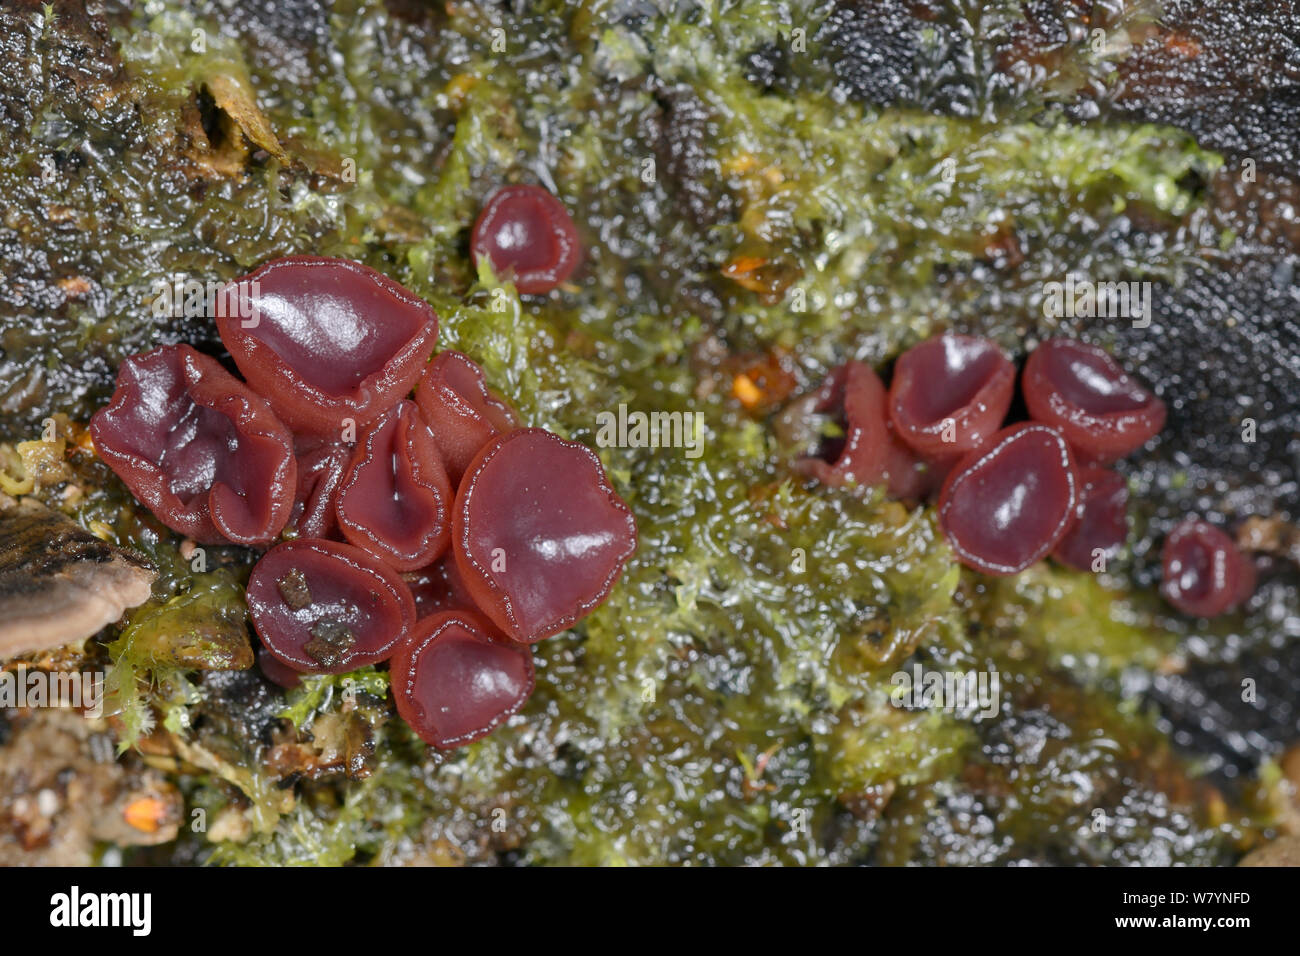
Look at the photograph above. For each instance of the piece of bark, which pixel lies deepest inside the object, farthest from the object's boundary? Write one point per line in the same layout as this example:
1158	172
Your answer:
58	582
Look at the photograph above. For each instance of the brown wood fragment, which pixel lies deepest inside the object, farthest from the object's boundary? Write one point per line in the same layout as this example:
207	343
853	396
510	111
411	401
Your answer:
58	582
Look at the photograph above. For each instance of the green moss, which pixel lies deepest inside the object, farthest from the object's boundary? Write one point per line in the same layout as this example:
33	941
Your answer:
201	628
323	693
306	836
1078	622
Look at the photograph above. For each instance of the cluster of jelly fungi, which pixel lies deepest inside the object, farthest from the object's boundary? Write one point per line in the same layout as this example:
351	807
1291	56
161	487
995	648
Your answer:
1009	494
442	537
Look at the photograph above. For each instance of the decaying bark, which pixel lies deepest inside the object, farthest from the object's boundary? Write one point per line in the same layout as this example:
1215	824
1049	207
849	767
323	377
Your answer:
59	583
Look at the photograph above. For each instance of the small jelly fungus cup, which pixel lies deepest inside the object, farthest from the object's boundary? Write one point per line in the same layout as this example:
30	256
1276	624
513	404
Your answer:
204	453
527	235
1007	506
539	534
950	394
1102	411
1204	574
455	681
322	607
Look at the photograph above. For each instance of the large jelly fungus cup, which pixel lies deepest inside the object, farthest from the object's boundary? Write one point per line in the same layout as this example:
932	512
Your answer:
1102	411
1007	506
950	394
327	341
204	453
539	534
323	607
455	681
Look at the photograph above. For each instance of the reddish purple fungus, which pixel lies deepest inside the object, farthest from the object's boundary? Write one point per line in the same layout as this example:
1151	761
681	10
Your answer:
326	340
526	232
206	455
276	670
1204	572
539	534
395	499
440	587
1101	525
1102	411
908	477
323	607
853	397
454	681
320	470
950	394
865	449
1006	506
464	414
1006	497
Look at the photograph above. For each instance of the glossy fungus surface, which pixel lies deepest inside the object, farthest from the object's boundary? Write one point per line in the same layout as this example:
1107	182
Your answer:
320	471
938	470
853	399
326	340
950	394
440	587
1102	411
276	671
463	413
1007	506
324	445
1101	526
1204	573
525	232
540	535
202	451
326	607
454	681
395	498
908	477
